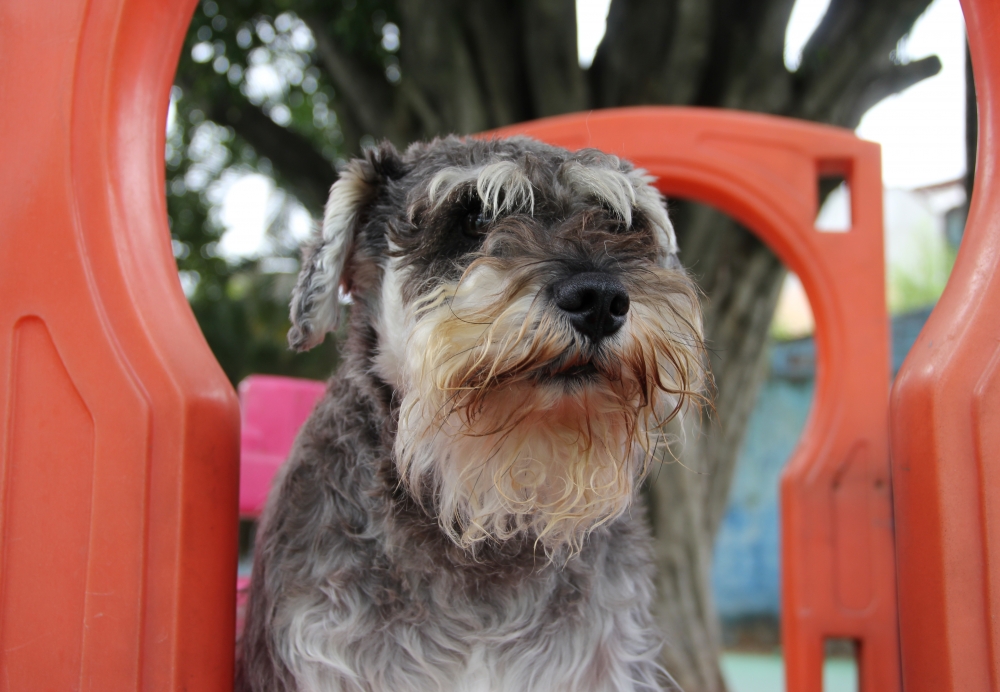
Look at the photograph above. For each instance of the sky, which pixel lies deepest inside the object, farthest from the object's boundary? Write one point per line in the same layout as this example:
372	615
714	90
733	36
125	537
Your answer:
921	130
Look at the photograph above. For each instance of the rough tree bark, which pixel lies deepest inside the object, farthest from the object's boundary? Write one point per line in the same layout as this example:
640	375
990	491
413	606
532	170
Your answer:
472	66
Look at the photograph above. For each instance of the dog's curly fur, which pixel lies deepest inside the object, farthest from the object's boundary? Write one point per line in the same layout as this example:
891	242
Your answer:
457	513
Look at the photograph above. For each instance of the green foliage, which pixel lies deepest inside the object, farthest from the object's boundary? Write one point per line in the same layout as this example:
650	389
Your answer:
227	41
240	55
242	311
919	286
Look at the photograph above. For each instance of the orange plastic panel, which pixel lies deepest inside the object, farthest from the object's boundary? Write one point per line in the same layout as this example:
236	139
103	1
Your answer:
119	438
838	575
946	435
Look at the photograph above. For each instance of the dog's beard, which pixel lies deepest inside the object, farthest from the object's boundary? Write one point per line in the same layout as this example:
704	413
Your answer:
512	424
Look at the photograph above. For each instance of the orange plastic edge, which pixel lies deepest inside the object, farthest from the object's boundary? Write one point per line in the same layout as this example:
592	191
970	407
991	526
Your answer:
118	430
946	434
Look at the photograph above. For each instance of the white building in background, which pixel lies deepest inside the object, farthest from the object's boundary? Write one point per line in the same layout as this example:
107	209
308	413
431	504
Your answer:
919	255
922	230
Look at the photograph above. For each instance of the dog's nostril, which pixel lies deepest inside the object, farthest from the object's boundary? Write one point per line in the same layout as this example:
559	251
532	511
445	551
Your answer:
619	305
575	299
595	302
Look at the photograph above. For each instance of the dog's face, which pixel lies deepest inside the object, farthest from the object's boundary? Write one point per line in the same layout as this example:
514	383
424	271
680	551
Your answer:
531	316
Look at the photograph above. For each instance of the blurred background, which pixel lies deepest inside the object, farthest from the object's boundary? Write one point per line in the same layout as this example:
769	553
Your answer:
271	96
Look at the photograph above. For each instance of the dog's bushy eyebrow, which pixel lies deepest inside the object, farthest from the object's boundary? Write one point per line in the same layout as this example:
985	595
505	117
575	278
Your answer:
608	185
502	186
600	177
650	202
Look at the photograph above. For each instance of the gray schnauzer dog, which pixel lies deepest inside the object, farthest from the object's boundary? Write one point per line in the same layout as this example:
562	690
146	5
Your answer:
459	511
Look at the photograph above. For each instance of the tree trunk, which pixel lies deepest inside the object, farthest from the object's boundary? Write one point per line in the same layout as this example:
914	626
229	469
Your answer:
472	66
687	496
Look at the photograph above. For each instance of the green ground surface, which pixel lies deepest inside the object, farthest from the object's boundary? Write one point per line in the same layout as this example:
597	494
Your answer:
766	673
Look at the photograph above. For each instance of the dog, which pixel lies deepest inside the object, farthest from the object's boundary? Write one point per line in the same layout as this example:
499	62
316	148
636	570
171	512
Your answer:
459	512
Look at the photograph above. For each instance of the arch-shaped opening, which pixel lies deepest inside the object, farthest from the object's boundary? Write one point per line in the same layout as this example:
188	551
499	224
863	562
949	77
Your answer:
779	221
771	410
838	476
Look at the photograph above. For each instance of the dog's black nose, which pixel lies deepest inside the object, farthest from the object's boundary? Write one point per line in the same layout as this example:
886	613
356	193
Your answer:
595	302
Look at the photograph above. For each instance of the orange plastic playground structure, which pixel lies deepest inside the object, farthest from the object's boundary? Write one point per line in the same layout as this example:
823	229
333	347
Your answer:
838	574
946	434
119	434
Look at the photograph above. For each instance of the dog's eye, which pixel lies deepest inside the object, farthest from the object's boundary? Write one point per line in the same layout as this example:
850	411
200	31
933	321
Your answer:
474	222
616	224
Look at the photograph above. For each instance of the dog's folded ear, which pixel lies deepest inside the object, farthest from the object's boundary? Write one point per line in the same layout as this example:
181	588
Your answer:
315	308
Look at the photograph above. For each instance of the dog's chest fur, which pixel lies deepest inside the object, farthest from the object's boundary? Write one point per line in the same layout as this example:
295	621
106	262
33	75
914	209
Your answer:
364	592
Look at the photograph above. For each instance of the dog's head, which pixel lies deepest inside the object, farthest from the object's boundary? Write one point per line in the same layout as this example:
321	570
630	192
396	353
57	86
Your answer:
531	316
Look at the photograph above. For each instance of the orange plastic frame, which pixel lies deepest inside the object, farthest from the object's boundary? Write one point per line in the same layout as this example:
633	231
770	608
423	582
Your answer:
837	550
118	432
946	434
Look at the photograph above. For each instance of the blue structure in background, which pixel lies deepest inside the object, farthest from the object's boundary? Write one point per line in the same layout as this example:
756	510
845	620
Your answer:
745	574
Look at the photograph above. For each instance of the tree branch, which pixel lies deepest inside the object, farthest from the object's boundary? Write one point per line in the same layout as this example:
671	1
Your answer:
414	98
892	80
362	89
436	57
848	52
550	55
297	162
678	78
759	80
496	41
638	39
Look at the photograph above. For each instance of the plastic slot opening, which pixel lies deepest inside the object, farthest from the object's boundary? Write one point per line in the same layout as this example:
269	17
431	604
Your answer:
247	535
840	665
835	213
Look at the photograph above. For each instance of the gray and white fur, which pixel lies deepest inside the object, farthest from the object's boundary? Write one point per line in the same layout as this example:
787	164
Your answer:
458	512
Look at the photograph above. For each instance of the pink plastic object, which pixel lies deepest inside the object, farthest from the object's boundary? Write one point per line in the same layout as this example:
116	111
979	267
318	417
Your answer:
272	411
